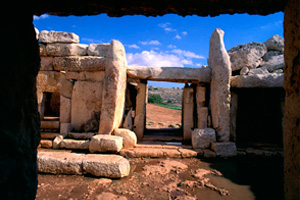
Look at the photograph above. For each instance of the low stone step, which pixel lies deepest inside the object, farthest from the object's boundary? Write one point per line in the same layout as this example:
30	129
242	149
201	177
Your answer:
48	135
162	138
61	162
74	144
158	151
49	124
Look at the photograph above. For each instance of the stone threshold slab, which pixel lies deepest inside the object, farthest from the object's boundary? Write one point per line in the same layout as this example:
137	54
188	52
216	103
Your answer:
62	162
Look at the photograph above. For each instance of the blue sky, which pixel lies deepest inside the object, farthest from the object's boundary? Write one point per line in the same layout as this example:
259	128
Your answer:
170	40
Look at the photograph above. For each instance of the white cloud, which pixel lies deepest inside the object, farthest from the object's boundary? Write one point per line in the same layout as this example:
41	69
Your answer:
166	27
184	33
198	65
154	59
44	16
133	46
187	54
271	25
178	37
187	62
151	42
171	46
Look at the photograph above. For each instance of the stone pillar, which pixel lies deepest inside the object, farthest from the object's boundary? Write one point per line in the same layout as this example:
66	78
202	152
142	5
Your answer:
291	114
113	97
140	112
202	112
220	63
20	121
188	112
233	114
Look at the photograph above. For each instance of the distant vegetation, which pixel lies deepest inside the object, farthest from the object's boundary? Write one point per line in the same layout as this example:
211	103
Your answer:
156	99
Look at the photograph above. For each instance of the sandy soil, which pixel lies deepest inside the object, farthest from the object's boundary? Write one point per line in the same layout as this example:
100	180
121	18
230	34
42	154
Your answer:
160	117
149	179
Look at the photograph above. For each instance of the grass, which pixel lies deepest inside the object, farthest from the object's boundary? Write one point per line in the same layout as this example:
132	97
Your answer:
170	106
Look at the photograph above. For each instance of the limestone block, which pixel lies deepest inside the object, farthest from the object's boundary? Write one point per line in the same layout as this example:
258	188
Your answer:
275	43
141	102
57	141
58	37
258	81
58	49
50	124
82	136
244	71
98	49
86	76
74	144
59	163
273	63
200	96
46	63
128	122
261	70
86	99
224	149
106	143
112	166
47	81
202	117
114	88
219	61
129	137
46	143
65	110
188	112
79	63
42	48
202	138
37	32
171	74
247	55
65	128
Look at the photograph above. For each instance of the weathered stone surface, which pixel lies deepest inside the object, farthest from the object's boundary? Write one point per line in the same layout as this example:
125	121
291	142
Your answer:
65	128
129	137
113	96
258	81
200	96
37	32
128	122
74	144
256	71
66	49
79	63
109	196
220	85
275	43
244	71
58	37
56	142
112	166
46	143
86	76
187	112
247	55
224	149
273	63
140	118
46	63
48	135
65	110
42	49
106	143
50	124
202	138
98	49
171	74
82	136
202	117
59	163
47	81
86	99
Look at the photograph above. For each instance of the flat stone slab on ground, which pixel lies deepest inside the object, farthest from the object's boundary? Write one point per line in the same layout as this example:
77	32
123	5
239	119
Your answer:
111	166
106	143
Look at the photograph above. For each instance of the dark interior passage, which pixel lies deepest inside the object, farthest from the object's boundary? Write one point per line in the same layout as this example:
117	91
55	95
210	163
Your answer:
259	117
52	104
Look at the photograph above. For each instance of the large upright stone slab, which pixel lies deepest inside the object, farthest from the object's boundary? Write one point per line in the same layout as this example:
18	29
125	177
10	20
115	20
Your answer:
188	112
220	63
140	117
202	112
86	99
113	96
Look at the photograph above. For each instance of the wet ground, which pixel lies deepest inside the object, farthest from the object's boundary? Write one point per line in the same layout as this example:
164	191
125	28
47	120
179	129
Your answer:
174	179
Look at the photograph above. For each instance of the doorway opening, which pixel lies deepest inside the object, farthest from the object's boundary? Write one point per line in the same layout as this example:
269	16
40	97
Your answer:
164	112
51	106
260	117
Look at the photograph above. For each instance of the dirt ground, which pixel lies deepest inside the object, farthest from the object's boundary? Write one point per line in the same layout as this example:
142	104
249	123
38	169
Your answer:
148	179
160	117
